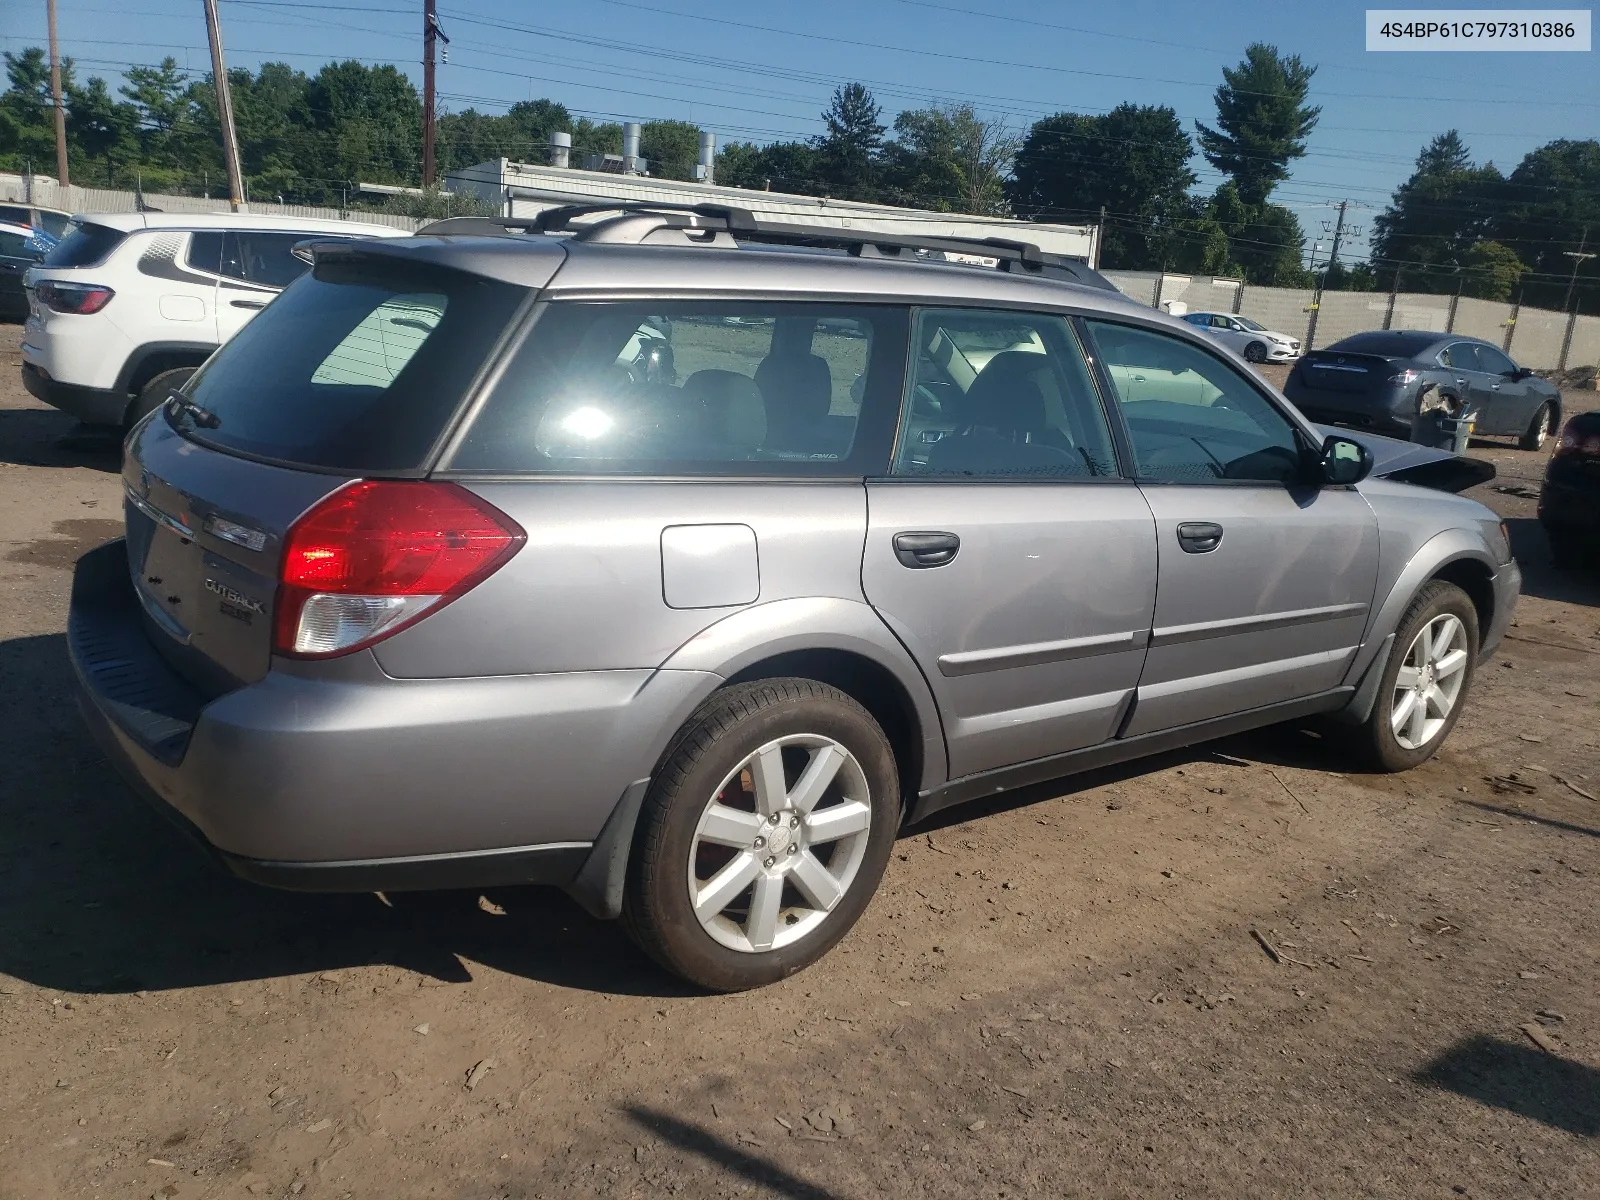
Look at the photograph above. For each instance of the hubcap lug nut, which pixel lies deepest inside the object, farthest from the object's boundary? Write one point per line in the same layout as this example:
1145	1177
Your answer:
760	842
770	860
794	822
793	848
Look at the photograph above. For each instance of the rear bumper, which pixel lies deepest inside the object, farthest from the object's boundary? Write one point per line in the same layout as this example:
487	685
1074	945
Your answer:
1570	508
364	782
93	406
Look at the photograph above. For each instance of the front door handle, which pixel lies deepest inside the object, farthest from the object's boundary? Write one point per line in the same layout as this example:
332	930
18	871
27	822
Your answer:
255	304
930	549
1199	537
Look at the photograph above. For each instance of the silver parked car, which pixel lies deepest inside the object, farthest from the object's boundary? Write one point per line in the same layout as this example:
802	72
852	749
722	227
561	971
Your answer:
634	554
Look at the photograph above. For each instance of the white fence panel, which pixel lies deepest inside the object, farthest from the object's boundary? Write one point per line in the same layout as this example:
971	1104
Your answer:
1284	310
1484	319
1537	340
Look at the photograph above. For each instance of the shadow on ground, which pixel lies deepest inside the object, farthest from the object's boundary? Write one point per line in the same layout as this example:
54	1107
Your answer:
726	1156
1520	1079
43	437
98	893
1540	577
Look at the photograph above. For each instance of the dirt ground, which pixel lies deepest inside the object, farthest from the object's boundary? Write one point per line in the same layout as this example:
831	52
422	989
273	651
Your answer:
1056	993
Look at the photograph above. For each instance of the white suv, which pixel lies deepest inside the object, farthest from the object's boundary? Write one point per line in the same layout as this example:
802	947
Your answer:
128	305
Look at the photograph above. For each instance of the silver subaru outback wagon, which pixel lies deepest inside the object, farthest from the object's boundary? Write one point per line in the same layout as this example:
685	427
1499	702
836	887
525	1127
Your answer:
679	561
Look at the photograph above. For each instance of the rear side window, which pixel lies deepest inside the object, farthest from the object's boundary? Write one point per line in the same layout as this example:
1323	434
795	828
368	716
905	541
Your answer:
54	223
262	258
729	387
351	369
86	246
1001	395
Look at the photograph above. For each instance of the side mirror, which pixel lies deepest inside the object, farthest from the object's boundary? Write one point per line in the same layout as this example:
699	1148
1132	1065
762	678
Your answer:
1345	461
1517	374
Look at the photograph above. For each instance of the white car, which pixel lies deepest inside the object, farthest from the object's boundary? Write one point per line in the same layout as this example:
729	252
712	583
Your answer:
128	305
1255	342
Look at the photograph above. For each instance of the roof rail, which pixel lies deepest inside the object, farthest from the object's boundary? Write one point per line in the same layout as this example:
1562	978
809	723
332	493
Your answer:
636	221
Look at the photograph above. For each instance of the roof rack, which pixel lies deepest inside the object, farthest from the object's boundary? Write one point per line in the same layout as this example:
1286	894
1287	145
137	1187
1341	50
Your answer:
636	222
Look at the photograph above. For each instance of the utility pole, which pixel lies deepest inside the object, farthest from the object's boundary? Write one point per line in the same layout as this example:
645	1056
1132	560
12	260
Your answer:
1577	256
55	92
230	138
431	34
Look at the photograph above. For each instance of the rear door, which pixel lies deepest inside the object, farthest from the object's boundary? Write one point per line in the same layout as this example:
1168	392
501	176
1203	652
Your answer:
1480	391
1265	580
1003	549
253	268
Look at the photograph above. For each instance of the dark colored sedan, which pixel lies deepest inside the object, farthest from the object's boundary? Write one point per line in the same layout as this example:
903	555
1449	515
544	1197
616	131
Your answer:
1380	380
1569	503
17	254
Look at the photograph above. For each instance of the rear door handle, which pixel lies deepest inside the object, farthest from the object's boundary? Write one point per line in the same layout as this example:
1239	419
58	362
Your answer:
255	304
932	549
1199	537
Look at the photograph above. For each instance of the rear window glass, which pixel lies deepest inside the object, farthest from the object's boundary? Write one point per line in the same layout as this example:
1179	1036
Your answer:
350	370
84	246
1388	342
729	387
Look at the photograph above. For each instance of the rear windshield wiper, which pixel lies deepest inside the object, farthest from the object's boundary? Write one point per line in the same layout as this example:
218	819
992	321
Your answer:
202	416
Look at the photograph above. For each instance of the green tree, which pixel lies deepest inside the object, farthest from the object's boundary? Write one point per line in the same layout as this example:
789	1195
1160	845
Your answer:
1262	120
670	147
1491	271
778	166
1133	161
1552	207
100	128
947	158
1264	240
847	153
27	126
1436	216
160	98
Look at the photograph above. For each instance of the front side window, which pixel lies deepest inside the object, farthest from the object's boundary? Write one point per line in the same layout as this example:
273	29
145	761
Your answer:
1000	394
1495	363
1191	417
720	387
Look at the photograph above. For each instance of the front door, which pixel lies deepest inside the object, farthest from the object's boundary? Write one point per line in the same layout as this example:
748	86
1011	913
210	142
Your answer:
1003	549
1509	400
1265	580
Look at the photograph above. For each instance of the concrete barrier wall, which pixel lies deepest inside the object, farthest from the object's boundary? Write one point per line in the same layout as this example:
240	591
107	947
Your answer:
1344	313
1420	310
1537	341
1484	319
1585	348
1136	285
1283	310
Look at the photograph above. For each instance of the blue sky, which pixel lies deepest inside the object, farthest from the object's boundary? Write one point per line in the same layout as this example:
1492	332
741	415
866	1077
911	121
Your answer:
759	72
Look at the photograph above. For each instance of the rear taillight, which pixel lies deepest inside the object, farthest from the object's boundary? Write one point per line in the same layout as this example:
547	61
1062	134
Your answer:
1573	442
80	299
376	556
1404	377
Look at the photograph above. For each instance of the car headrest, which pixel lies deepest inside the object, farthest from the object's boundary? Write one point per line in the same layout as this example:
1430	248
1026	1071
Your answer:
798	389
1006	395
730	407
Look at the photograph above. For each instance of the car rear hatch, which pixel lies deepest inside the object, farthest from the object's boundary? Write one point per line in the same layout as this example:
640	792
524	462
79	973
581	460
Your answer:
1340	371
356	372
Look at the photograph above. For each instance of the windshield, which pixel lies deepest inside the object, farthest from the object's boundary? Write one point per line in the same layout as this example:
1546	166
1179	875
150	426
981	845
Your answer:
349	369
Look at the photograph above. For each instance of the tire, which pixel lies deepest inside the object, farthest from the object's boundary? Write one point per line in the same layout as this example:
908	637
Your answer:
154	394
1570	551
688	838
1255	352
1538	429
1417	741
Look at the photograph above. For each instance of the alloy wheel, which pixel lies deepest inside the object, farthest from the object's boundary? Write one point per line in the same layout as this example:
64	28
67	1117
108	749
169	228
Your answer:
779	843
1429	682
